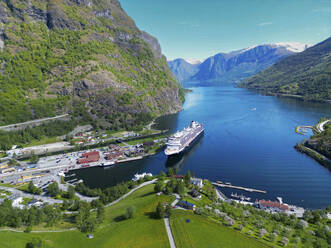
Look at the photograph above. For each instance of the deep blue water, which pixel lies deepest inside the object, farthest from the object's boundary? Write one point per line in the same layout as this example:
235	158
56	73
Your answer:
241	145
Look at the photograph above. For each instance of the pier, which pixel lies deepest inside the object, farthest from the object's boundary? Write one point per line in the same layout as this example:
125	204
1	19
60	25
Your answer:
239	187
303	129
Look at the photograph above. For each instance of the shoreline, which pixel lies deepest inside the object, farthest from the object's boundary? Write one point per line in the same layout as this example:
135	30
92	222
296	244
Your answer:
264	91
321	159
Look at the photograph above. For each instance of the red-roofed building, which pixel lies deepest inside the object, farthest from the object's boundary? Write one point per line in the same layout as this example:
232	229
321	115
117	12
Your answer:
89	157
273	205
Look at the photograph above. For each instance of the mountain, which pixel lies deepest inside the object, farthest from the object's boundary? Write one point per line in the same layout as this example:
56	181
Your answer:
238	65
183	69
306	75
83	57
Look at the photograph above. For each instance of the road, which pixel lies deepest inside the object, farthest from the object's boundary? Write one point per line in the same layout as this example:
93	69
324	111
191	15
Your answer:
219	196
64	187
34	171
171	238
176	200
320	126
131	191
33	121
28	195
167	223
41	231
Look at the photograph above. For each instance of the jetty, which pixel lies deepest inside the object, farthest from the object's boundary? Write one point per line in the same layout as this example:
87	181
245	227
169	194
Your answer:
303	129
238	187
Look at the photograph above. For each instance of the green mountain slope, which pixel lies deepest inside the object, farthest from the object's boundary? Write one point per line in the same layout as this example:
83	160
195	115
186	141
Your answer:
84	57
306	74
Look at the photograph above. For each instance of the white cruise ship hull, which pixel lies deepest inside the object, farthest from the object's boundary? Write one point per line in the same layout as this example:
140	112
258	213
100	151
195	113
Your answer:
182	149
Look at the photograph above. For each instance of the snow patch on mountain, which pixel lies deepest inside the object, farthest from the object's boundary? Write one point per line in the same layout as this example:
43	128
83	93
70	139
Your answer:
295	47
194	61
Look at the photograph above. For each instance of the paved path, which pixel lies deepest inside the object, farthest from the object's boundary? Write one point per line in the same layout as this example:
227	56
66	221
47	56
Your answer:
28	195
176	200
320	126
219	195
131	191
43	231
33	121
64	187
171	238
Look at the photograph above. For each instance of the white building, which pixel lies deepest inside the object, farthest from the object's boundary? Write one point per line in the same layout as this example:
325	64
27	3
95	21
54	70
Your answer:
138	176
197	182
17	202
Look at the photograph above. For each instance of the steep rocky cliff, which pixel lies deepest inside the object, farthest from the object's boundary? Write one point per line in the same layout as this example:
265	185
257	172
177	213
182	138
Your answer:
85	57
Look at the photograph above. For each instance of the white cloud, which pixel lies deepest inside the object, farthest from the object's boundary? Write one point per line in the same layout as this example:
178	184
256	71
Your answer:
262	24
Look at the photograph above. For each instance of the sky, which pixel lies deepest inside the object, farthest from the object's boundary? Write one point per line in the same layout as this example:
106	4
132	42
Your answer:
197	29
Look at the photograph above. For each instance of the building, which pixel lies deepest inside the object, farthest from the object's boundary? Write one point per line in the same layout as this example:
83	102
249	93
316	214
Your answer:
141	176
114	155
17	200
89	157
114	147
35	203
186	205
150	143
7	170
129	134
178	176
194	193
3	165
272	205
196	181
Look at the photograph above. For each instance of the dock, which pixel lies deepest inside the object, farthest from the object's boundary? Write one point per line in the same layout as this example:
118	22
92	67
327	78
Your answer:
302	129
129	159
239	187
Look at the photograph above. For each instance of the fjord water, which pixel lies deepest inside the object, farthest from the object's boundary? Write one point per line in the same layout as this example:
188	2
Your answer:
248	141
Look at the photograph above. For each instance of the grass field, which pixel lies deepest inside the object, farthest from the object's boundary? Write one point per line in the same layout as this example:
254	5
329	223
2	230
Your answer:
141	231
201	232
43	141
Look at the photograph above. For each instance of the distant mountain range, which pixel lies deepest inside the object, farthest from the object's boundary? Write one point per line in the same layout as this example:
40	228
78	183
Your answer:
183	69
235	66
306	75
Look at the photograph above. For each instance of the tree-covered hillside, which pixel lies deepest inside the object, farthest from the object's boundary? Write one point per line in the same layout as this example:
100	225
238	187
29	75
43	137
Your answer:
321	142
80	56
306	74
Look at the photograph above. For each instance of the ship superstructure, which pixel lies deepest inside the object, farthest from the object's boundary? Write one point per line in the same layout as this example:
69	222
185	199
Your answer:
182	140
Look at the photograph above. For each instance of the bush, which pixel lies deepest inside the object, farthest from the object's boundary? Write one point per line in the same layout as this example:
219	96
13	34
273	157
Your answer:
130	213
158	186
159	211
35	243
34	159
28	229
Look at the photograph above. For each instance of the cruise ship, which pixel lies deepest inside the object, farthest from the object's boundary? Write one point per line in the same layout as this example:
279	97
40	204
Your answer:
182	140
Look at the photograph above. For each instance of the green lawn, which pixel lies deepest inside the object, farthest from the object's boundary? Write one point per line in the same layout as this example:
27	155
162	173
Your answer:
42	141
8	185
202	232
142	231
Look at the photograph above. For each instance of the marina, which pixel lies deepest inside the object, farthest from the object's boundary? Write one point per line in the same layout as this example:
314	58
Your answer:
241	197
228	185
